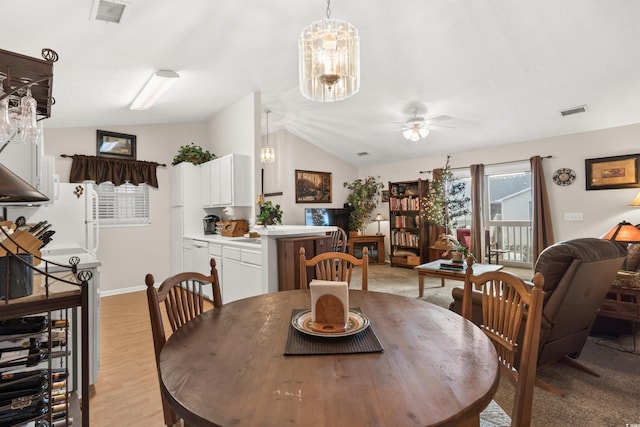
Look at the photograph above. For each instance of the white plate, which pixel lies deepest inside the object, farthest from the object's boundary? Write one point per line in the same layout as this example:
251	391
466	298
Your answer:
357	322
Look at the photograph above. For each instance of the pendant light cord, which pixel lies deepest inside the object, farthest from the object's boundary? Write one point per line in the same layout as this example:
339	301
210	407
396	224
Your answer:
328	9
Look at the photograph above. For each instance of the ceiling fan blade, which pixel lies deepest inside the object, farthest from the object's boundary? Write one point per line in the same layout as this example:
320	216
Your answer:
439	118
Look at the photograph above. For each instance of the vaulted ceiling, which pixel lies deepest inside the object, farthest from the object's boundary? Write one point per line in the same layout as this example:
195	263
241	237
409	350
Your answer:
500	70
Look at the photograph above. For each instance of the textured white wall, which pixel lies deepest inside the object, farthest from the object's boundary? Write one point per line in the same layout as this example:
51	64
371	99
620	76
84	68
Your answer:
601	209
129	253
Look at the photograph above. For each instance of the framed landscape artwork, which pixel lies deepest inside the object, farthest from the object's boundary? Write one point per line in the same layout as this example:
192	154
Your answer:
116	145
313	187
613	172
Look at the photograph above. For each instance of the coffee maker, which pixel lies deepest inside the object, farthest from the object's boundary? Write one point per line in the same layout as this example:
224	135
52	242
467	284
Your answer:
209	223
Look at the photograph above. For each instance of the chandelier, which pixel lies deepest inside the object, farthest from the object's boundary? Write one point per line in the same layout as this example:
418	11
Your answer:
267	155
329	60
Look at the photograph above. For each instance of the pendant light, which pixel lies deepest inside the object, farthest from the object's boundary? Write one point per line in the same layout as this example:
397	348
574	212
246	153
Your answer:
267	155
329	60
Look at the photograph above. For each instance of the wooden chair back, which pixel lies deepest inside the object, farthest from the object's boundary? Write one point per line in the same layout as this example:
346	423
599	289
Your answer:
333	266
338	240
182	295
505	297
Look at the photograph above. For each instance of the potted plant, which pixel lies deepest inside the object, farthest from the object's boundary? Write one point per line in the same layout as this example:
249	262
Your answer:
458	252
269	214
192	153
362	200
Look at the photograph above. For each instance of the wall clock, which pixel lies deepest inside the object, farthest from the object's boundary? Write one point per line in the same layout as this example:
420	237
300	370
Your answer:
564	176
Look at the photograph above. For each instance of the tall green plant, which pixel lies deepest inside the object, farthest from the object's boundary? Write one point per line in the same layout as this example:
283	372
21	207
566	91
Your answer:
363	199
446	200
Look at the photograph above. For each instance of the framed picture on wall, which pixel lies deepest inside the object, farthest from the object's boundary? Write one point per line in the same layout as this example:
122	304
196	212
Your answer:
313	187
613	172
116	145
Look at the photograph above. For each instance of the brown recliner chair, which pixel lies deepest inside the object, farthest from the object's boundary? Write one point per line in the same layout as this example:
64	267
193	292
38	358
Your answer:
577	275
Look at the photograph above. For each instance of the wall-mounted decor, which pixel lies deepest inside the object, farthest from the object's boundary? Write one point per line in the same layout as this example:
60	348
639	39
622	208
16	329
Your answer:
613	172
313	187
385	196
118	145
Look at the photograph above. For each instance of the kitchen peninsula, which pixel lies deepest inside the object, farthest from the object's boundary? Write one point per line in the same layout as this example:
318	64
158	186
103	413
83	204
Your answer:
246	266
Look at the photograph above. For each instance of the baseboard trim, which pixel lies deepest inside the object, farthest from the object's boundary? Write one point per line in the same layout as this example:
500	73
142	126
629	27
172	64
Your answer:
122	291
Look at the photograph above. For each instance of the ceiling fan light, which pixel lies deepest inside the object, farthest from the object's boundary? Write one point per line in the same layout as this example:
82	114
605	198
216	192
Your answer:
407	133
423	132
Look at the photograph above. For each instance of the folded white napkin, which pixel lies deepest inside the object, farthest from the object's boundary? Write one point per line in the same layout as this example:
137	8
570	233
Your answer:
325	287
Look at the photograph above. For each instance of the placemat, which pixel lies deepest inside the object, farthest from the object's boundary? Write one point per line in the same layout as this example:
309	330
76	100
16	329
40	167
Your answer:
299	343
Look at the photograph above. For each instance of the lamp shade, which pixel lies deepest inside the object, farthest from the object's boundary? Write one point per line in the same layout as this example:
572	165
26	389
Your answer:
379	217
623	232
636	201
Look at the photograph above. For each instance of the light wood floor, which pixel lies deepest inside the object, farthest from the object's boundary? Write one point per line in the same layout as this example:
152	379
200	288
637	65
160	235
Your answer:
127	391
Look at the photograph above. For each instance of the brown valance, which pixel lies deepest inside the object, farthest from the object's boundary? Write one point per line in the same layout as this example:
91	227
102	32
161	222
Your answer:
118	171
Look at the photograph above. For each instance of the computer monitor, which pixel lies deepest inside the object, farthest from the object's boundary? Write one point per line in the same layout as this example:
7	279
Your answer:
327	216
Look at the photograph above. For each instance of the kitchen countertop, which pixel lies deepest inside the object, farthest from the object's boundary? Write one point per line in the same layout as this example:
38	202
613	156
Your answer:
272	231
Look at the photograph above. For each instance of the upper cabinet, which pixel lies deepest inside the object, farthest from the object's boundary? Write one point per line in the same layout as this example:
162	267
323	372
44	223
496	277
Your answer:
226	181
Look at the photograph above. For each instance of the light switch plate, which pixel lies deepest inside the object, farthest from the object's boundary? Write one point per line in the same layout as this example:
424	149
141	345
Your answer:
573	216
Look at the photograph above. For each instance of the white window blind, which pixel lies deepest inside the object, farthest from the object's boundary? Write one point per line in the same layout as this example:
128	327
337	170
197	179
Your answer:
125	204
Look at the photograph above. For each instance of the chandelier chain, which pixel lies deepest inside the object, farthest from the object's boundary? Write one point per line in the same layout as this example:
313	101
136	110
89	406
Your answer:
328	9
267	111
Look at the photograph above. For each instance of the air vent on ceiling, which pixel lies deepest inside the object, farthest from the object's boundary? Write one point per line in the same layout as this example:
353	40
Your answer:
574	110
109	11
364	153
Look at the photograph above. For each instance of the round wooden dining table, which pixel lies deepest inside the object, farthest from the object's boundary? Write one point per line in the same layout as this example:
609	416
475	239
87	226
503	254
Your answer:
227	367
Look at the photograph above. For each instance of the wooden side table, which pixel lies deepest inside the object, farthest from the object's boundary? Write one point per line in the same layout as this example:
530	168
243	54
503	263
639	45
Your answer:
374	244
623	302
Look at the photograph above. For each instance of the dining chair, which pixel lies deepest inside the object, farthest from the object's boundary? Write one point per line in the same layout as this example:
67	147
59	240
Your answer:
183	299
505	297
338	240
333	266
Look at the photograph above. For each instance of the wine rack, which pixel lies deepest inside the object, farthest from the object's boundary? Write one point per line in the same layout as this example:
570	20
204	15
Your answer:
38	366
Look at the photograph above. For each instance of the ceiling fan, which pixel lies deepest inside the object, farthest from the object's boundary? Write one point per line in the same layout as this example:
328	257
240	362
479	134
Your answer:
418	127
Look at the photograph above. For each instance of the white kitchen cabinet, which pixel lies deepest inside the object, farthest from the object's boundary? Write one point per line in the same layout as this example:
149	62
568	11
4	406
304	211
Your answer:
200	262
187	255
185	217
241	274
226	181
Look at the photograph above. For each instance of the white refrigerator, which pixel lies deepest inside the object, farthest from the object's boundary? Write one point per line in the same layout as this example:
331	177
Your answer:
73	215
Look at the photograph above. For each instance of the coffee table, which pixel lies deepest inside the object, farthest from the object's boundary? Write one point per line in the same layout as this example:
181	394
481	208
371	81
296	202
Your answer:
432	269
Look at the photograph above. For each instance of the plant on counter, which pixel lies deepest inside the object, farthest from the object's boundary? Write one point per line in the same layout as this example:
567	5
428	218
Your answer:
192	153
269	214
363	199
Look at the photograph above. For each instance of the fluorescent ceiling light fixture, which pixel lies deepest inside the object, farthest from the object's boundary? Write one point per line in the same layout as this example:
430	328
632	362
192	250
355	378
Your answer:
157	85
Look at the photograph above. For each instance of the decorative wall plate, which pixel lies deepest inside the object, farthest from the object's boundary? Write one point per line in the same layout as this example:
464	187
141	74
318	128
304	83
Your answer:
564	176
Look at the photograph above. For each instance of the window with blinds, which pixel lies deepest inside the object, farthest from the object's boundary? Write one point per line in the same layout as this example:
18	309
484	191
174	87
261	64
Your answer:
125	204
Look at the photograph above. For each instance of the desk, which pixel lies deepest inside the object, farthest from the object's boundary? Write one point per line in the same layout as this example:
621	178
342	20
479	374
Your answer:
227	367
432	269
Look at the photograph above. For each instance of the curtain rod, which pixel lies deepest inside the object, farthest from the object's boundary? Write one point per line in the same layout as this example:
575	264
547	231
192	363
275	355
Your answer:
491	164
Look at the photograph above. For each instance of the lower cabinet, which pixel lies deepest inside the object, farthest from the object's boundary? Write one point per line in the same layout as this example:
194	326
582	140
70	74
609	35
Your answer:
289	258
241	273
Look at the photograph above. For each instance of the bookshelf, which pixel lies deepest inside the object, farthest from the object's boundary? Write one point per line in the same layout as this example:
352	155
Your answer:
408	233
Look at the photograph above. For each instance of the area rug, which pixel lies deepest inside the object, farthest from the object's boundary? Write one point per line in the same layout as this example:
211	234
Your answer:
608	400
